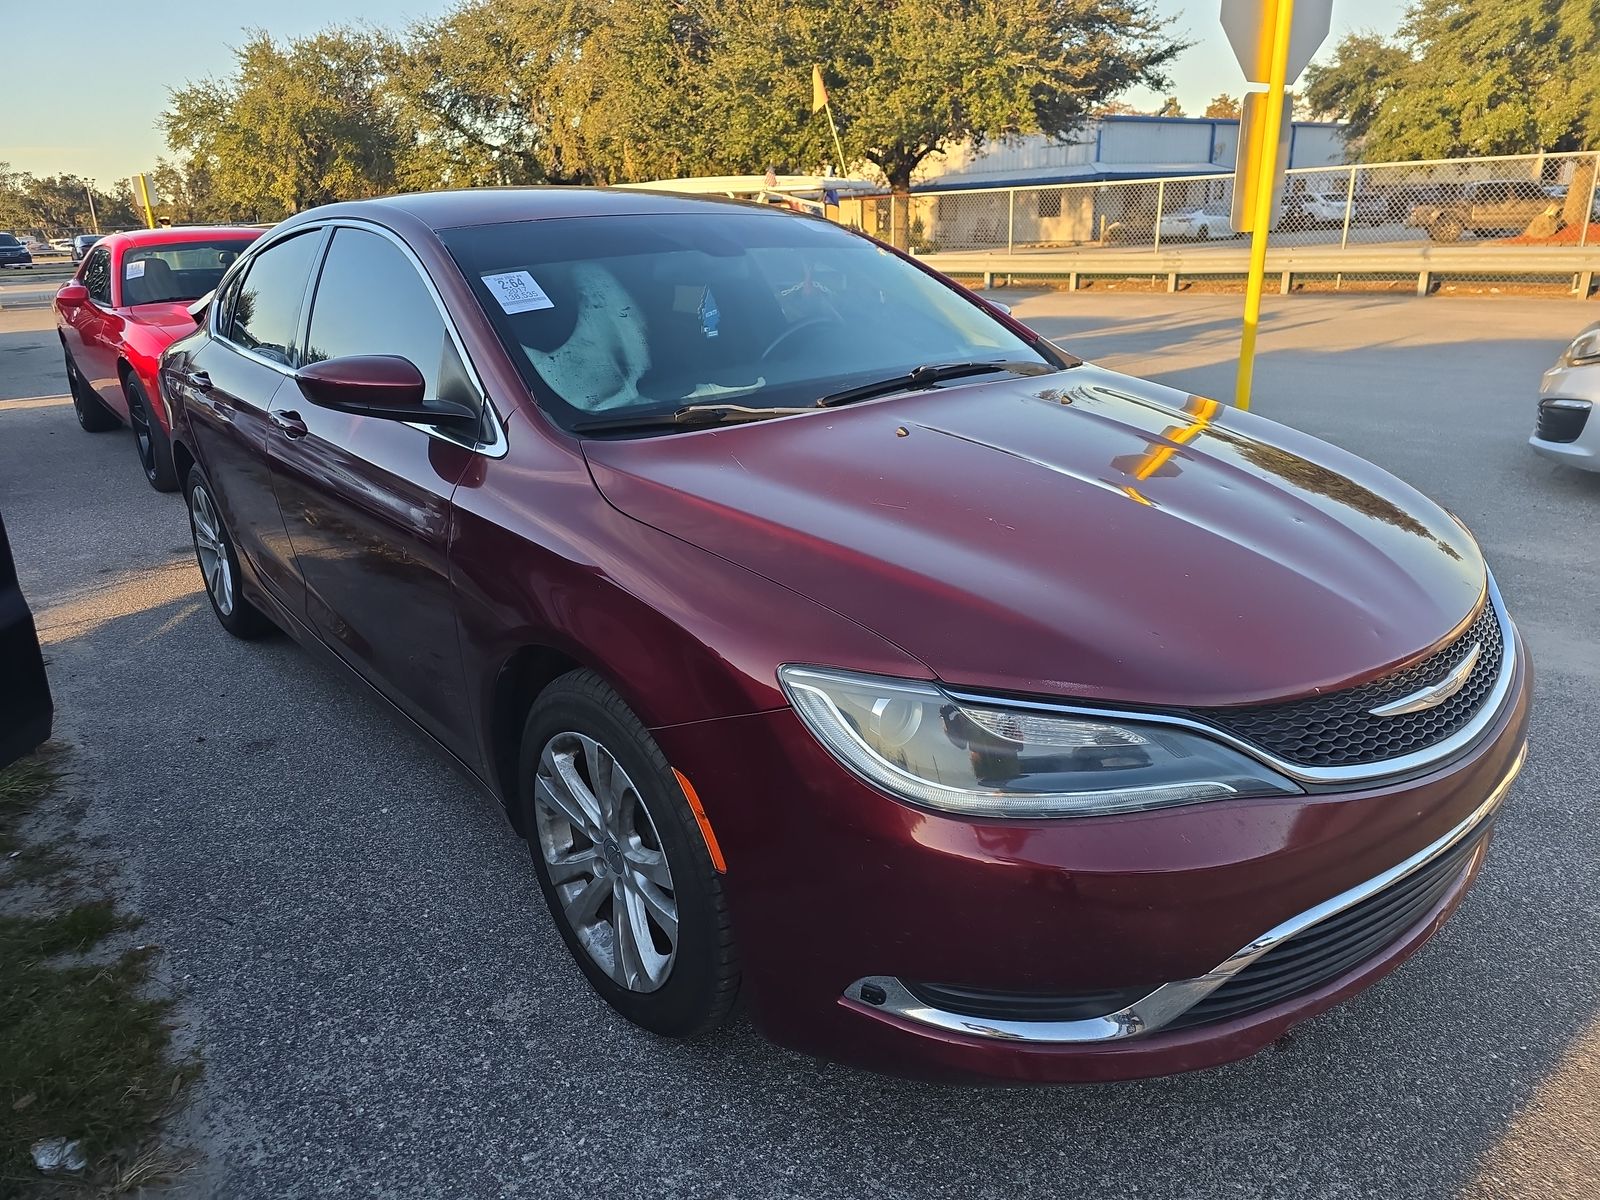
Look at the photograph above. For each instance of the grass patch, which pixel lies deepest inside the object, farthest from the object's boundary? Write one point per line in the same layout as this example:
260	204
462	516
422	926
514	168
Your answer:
84	1050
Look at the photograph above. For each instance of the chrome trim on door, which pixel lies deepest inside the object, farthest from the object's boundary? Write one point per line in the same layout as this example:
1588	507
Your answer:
1171	1000
1371	773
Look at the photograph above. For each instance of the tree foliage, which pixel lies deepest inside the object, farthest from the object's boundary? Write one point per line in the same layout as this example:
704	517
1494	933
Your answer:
60	205
607	91
1223	106
1463	77
300	123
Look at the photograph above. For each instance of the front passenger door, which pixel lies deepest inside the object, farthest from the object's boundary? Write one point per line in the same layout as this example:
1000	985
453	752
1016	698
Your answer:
366	500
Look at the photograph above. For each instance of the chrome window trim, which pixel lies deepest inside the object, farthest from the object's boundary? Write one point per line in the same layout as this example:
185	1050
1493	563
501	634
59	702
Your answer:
495	446
1171	1000
1376	772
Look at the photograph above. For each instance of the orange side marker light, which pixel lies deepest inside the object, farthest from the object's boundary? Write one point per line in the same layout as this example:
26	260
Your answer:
693	797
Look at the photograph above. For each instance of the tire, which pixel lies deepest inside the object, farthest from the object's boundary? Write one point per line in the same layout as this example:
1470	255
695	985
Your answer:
150	441
1203	234
1446	229
93	415
579	727
219	563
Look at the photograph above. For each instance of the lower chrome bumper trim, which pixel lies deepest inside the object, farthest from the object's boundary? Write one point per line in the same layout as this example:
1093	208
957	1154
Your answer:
1171	1000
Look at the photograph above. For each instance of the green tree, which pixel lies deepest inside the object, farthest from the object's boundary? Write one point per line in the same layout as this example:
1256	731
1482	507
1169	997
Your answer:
1223	106
60	205
1170	108
908	78
1466	78
297	124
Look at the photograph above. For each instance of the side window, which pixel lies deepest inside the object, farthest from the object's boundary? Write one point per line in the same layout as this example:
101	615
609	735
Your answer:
370	300
97	276
266	305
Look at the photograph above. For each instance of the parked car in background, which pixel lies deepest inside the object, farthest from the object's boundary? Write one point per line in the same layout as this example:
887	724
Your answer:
839	643
33	245
1565	428
13	253
1489	208
127	302
1305	210
1201	224
63	245
26	710
81	244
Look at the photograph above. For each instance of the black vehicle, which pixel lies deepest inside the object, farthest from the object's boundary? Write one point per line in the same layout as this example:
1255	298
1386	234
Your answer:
82	244
13	253
25	707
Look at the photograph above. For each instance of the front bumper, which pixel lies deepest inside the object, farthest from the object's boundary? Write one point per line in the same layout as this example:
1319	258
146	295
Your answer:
1566	426
833	884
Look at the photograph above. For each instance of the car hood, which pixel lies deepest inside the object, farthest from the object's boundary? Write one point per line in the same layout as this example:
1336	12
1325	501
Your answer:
1081	534
170	318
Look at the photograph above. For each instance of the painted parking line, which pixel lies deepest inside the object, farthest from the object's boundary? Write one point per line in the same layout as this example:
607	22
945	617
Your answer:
35	402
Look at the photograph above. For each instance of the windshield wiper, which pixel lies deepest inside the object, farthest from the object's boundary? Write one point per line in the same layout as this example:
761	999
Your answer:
687	415
926	376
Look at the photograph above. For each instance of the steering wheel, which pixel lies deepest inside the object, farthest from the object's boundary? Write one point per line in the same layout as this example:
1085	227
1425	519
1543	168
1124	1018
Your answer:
795	331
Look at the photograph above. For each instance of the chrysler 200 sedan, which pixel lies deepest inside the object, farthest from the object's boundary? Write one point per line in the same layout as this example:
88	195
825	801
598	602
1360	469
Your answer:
839	644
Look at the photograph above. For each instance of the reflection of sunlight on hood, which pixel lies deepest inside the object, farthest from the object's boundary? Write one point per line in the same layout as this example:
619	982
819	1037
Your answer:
1547	1148
123	594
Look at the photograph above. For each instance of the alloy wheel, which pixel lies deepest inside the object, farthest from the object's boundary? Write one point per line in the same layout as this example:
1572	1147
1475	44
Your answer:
212	549
605	861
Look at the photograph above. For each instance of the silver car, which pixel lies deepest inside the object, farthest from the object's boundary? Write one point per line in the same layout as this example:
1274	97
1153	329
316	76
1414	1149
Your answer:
1569	393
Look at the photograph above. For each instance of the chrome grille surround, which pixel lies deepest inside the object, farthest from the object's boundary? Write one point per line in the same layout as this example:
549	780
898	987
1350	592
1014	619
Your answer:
1316	776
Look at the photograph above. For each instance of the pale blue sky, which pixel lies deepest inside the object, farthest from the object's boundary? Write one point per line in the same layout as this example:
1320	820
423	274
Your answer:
92	111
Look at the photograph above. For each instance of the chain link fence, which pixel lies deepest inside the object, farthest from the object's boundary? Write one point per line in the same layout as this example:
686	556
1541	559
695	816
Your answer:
1543	200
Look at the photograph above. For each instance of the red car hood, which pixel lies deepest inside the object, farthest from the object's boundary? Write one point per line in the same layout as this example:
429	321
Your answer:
1080	534
170	319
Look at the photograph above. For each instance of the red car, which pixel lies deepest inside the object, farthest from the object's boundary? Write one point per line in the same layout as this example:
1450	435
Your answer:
129	299
838	642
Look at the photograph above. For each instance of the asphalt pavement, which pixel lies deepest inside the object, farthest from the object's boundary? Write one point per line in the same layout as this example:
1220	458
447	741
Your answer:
385	1009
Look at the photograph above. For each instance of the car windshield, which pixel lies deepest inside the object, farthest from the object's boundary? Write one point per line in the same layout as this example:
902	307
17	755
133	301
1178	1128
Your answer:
7	240
607	314
176	271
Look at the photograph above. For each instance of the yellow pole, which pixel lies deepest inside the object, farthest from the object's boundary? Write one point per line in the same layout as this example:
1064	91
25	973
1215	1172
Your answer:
1266	186
144	199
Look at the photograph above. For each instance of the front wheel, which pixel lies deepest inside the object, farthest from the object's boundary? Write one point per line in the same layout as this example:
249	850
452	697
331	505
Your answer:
219	563
93	416
150	440
622	860
1446	229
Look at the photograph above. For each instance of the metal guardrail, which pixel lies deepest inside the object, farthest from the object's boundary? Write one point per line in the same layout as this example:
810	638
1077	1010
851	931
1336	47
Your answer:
1429	263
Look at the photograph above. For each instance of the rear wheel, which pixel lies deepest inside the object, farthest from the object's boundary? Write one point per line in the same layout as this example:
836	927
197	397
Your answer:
150	440
92	413
622	861
219	564
1203	234
1446	229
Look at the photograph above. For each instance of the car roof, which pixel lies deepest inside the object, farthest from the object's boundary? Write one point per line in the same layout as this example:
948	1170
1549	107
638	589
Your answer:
496	206
176	233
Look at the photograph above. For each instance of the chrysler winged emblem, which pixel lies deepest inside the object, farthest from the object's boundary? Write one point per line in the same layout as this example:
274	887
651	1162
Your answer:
1435	694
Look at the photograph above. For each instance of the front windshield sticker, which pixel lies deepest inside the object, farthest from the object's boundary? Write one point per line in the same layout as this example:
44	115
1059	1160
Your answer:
517	292
710	314
134	270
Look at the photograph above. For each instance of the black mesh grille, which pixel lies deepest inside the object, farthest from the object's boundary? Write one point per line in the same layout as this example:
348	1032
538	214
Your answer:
1338	945
1338	730
1561	421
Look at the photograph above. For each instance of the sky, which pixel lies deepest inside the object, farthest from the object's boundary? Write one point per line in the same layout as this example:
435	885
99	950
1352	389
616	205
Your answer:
61	112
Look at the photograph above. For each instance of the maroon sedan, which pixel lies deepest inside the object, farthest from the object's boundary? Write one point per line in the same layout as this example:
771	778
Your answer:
838	643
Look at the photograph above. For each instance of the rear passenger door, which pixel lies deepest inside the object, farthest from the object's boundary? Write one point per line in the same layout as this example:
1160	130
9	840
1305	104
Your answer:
228	389
366	500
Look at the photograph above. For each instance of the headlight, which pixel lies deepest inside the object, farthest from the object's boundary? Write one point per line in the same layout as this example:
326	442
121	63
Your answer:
1585	348
990	760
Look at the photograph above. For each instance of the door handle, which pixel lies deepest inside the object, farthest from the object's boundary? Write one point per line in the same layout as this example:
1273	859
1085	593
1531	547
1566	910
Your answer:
290	423
198	380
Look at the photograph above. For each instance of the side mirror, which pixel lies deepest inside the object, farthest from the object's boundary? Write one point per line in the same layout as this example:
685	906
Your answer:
998	307
73	295
378	385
